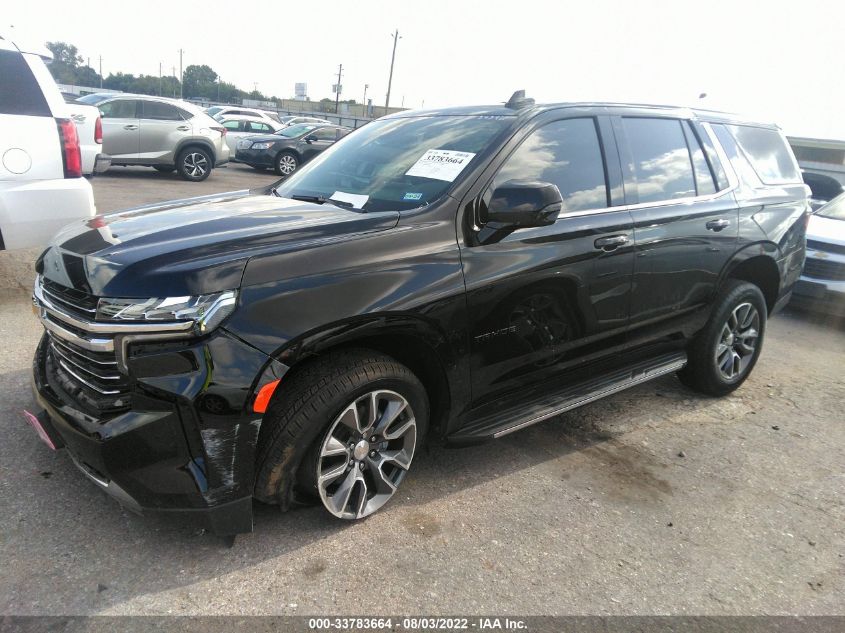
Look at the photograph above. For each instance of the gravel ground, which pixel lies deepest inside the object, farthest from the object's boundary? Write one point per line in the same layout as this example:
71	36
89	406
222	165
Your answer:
653	501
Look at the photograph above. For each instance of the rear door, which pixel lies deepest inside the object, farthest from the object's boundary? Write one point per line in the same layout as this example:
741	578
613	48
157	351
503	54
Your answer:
234	133
685	218
121	129
550	302
163	127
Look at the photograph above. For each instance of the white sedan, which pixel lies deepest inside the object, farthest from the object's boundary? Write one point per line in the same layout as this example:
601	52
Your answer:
240	126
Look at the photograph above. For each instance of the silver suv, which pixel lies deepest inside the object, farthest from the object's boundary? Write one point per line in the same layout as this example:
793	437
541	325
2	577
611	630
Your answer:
163	133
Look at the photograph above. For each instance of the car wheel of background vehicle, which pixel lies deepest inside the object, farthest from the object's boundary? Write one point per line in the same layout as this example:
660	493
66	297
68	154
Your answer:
165	169
286	163
344	429
723	354
194	164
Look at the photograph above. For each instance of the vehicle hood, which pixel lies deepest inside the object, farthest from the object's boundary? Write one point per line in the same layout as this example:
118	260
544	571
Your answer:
193	246
828	230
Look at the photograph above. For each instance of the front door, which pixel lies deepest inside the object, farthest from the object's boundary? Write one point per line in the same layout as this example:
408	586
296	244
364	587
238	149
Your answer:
163	127
121	129
550	300
318	141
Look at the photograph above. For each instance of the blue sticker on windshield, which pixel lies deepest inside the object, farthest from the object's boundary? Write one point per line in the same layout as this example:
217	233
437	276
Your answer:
413	196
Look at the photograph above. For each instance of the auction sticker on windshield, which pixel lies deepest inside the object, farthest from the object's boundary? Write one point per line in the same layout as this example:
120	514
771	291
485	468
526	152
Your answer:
440	164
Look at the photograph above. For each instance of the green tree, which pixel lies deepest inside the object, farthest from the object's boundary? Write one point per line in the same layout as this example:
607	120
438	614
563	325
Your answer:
199	81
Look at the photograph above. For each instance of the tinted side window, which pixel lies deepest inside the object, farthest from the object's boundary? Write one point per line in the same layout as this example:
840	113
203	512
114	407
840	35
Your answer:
566	153
121	109
326	134
661	159
260	127
703	176
234	126
160	111
20	92
768	153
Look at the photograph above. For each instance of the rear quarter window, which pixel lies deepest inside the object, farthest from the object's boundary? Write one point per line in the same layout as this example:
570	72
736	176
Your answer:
19	90
767	151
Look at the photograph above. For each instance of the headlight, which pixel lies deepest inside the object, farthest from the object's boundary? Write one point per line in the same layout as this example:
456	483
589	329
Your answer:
265	145
206	311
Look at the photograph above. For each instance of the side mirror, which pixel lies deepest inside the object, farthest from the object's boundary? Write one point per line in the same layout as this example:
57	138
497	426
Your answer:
310	138
524	203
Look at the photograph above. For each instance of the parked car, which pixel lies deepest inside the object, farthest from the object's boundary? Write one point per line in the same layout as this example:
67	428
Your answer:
41	184
240	126
457	274
218	112
298	120
822	283
89	127
167	134
288	148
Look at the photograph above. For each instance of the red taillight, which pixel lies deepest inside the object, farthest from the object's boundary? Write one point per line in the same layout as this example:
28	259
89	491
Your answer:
98	131
71	155
222	130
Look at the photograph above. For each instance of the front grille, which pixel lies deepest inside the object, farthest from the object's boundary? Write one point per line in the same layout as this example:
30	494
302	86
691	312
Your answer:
91	379
75	301
825	246
823	269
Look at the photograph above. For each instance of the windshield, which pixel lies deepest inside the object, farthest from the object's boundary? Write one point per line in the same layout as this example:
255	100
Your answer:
395	164
835	209
92	99
295	130
285	119
213	110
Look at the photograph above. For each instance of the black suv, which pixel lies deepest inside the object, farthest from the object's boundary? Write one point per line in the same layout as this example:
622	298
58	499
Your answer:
457	274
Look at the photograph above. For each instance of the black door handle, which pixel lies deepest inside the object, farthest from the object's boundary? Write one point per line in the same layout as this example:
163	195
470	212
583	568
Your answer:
611	243
718	225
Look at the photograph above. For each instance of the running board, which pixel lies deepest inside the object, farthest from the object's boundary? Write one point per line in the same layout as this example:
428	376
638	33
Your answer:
503	422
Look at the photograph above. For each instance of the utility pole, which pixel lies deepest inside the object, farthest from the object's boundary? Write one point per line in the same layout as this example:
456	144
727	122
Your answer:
365	98
181	76
159	79
337	88
173	70
396	38
101	71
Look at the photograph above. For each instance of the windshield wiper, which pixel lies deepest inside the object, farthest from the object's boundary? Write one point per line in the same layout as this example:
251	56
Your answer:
322	200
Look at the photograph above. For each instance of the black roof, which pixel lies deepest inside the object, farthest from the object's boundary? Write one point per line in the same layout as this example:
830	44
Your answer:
533	110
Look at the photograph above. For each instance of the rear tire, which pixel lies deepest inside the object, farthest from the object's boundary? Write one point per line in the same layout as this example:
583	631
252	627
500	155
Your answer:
317	437
194	164
725	351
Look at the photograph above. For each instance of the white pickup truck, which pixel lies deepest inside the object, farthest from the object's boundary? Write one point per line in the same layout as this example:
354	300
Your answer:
41	183
89	125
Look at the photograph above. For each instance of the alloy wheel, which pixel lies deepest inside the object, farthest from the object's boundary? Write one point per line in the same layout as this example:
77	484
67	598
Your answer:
738	341
195	164
366	454
287	164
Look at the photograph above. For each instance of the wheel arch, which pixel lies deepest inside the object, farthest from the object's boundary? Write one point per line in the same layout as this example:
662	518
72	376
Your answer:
418	345
201	143
757	264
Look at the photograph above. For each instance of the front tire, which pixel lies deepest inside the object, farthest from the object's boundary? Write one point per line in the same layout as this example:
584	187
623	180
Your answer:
344	430
286	163
194	164
723	354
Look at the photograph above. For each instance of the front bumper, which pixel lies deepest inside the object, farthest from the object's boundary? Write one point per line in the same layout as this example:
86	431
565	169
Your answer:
255	158
185	444
820	295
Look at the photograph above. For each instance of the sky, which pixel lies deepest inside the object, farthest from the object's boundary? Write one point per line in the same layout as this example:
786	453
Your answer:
775	61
